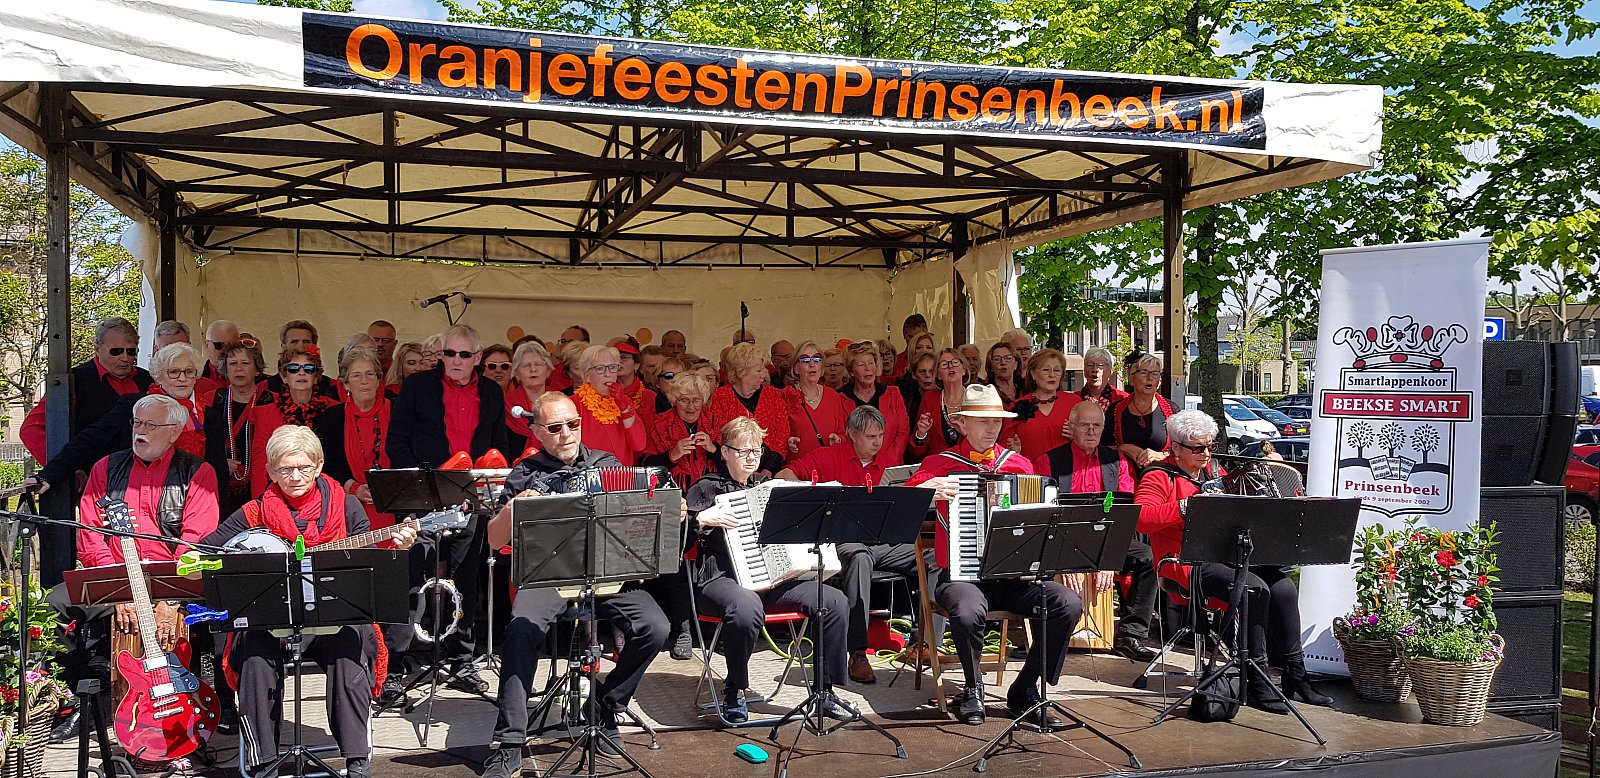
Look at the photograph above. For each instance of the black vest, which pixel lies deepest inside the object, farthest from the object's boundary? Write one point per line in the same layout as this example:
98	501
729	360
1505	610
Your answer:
1061	467
174	492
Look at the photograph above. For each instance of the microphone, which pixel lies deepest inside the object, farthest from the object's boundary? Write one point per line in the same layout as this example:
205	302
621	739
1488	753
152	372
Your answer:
518	411
438	298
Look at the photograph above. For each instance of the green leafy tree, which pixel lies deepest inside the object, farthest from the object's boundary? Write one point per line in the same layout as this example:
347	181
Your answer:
105	277
335	6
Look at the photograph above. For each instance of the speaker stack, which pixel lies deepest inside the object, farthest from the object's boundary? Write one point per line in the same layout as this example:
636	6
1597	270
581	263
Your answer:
1530	399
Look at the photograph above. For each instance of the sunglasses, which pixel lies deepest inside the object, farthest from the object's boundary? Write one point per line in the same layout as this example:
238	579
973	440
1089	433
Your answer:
453	354
295	368
118	351
556	427
669	375
1199	448
811	360
497	366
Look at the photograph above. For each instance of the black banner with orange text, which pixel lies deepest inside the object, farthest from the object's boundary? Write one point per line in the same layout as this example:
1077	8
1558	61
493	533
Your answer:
688	82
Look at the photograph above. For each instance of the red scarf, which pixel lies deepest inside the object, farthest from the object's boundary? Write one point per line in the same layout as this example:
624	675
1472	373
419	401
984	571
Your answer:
364	455
273	511
303	415
523	426
193	439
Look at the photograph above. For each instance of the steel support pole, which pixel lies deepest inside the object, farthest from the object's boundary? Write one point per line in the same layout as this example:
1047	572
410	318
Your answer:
57	544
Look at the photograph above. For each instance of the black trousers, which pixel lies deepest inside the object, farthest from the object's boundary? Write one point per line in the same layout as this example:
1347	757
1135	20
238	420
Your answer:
259	658
968	604
634	613
860	562
1140	602
1271	610
744	612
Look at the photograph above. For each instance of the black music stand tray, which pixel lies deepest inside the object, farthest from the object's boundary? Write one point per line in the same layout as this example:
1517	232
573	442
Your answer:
321	593
415	492
1243	531
1041	543
581	538
815	515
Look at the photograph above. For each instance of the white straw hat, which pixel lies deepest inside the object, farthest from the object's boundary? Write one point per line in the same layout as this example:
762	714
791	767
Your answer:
983	401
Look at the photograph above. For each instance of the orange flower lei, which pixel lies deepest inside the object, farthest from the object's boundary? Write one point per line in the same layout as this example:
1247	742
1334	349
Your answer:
603	409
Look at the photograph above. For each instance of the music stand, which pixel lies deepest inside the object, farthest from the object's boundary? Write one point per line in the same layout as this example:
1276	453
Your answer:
415	491
1244	531
583	538
319	593
837	514
106	585
1040	543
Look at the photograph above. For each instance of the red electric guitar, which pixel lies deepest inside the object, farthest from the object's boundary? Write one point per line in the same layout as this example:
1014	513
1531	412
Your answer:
167	712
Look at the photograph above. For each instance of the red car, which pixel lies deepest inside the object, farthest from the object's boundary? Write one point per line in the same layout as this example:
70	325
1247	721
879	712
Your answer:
1583	490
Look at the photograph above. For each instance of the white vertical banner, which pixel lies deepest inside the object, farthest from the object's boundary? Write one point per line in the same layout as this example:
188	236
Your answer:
1396	416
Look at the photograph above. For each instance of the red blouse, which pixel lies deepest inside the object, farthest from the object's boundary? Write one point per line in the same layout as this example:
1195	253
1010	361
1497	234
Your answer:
772	413
1042	431
813	425
897	428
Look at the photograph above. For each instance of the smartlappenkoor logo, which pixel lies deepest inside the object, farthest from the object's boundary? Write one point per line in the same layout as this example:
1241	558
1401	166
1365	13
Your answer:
1397	407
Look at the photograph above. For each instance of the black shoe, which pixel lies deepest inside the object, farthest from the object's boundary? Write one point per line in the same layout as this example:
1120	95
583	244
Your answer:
466	679
1259	695
393	694
357	768
228	723
971	710
503	762
1298	688
1020	698
1134	649
611	744
67	728
734	709
837	709
683	647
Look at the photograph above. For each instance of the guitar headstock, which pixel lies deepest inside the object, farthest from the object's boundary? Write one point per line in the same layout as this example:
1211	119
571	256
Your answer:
118	515
440	520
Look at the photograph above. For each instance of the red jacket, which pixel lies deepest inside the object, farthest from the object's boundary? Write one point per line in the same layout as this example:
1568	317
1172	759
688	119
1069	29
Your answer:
772	413
1158	495
960	460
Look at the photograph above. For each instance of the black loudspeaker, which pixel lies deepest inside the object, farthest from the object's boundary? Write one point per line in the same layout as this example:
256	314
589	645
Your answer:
1531	671
1544	715
1532	536
1530	399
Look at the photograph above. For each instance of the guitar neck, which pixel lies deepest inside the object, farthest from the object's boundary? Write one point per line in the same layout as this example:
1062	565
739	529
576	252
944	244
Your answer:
140	595
368	538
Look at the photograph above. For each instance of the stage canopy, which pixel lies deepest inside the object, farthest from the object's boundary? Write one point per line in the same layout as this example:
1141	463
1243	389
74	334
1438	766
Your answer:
295	144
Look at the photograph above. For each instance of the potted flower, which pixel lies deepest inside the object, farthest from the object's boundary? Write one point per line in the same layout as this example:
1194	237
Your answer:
1451	649
1367	633
24	749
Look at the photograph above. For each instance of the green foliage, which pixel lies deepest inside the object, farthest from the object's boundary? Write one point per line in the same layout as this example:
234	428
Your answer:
1580	556
336	6
10	474
1380	612
44	629
105	278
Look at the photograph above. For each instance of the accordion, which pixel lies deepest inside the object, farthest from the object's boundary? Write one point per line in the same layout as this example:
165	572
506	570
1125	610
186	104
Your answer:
979	495
759	567
598	480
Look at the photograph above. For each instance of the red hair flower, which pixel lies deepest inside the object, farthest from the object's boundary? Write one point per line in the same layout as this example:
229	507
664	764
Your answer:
1445	559
311	348
1472	601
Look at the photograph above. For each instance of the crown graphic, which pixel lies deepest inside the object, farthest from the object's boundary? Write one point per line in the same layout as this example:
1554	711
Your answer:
1400	341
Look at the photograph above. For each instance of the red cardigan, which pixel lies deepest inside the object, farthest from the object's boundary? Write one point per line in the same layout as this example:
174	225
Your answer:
896	429
1114	423
625	443
1158	495
772	413
665	432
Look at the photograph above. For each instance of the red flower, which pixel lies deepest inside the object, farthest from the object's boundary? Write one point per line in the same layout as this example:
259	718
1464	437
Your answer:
5	607
35	632
1472	601
1483	580
8	694
1445	559
1418	537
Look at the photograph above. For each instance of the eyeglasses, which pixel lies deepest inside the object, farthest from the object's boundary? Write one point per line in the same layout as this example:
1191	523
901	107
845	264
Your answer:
118	351
182	373
810	360
454	354
141	424
364	375
305	471
606	369
1055	371
497	366
1146	374
948	363
668	376
296	368
1199	448
745	453
554	428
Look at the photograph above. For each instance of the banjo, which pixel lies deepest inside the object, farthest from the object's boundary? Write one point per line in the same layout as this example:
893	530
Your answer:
261	540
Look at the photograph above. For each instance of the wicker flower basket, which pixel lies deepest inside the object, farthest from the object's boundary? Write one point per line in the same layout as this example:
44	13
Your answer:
1376	670
1455	694
7	723
27	760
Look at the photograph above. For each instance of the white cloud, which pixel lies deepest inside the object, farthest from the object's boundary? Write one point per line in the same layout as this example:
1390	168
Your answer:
403	9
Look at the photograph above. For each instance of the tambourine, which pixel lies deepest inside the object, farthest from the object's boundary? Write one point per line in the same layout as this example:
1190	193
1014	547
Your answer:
449	587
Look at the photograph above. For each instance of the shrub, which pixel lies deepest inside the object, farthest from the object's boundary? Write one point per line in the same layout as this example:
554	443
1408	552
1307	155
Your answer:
1580	557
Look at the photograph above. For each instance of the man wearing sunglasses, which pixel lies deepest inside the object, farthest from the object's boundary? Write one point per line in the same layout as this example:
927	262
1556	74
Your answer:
557	469
218	335
383	334
96	384
439	412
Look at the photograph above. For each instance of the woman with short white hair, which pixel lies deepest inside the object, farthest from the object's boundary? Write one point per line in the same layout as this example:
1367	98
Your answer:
683	438
303	502
1100	386
353	433
1138	423
531	367
1272	605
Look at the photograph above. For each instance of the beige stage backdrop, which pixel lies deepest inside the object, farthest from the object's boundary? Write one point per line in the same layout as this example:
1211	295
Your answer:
341	295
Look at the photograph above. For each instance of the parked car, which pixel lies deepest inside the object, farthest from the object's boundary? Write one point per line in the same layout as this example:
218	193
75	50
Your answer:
1296	449
1296	412
1302	398
1284	424
1583	491
1244	427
